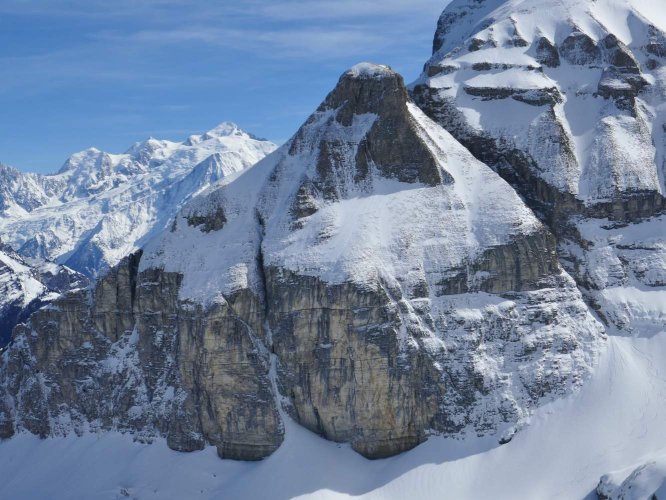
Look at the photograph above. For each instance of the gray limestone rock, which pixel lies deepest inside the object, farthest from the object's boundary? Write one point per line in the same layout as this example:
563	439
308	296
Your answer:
392	144
130	356
380	361
546	53
579	49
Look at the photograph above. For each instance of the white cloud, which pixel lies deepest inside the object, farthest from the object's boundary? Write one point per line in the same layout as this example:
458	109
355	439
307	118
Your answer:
282	10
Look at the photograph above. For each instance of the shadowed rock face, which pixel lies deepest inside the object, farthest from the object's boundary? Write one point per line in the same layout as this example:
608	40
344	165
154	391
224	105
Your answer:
579	49
392	144
519	266
546	53
380	361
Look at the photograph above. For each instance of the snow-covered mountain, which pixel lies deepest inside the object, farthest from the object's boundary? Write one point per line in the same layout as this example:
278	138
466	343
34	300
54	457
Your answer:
371	272
567	101
100	207
576	87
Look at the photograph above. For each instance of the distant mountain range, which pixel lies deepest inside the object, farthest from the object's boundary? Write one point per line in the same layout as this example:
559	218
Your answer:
100	207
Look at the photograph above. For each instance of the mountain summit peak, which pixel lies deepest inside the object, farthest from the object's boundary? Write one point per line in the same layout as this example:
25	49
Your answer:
370	70
224	129
367	88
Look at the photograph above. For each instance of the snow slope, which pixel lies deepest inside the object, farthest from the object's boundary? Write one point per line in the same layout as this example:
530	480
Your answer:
614	422
381	232
624	269
100	207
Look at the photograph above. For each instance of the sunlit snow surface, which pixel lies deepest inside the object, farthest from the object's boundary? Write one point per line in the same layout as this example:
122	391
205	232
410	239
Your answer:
386	233
614	423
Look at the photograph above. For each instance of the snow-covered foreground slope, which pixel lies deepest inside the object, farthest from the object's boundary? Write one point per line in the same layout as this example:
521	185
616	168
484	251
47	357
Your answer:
100	207
614	423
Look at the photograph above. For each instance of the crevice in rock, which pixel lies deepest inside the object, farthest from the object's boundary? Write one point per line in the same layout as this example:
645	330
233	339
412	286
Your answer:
261	268
133	265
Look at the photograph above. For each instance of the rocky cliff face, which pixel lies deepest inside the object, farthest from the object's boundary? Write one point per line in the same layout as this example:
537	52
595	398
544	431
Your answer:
566	101
370	276
130	356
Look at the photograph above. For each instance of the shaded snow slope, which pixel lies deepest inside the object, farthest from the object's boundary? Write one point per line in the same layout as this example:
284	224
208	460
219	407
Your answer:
100	207
615	422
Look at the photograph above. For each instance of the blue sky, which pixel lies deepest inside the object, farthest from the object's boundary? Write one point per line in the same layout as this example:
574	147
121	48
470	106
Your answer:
80	73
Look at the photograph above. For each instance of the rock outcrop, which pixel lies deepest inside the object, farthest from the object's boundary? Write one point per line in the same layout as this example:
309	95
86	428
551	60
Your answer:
647	481
129	356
